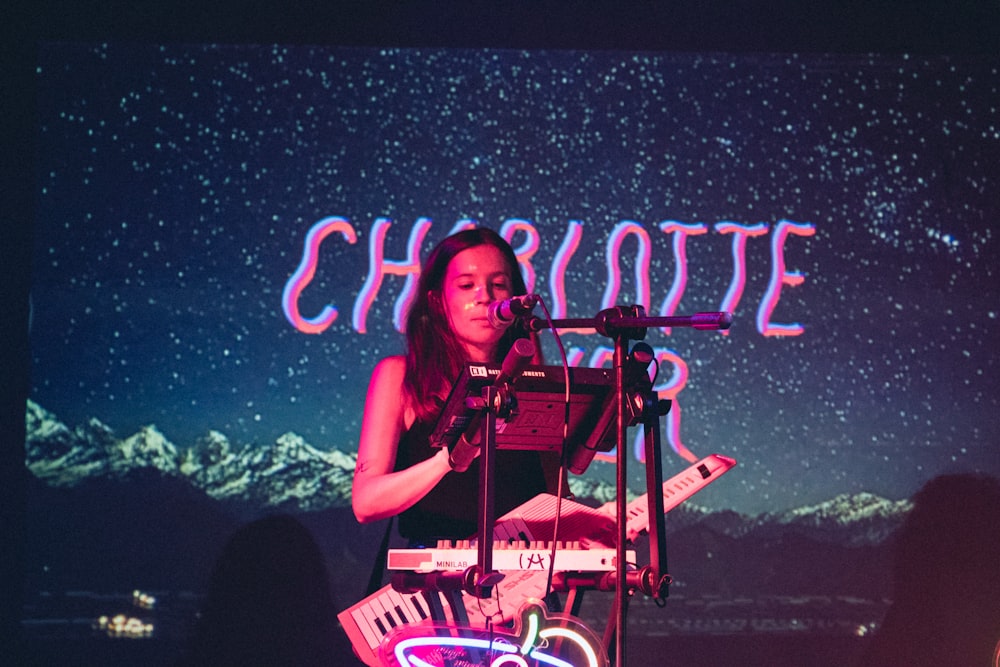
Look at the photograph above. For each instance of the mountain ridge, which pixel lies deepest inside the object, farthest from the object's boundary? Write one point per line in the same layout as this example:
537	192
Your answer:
292	475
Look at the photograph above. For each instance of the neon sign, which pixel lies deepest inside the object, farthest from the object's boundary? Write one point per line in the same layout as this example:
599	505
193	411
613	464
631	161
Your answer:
379	266
537	639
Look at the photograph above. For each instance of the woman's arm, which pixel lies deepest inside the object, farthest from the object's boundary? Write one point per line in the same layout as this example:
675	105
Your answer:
378	492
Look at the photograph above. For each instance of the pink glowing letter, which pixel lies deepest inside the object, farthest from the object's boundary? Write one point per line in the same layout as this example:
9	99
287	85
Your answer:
669	390
680	232
557	273
307	270
779	277
378	267
739	251
618	234
462	225
526	250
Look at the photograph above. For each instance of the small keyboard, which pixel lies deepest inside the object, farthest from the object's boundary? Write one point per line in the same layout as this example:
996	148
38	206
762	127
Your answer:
507	557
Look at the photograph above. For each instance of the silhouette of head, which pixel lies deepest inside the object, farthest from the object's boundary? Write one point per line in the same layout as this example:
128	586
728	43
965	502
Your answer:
268	602
946	578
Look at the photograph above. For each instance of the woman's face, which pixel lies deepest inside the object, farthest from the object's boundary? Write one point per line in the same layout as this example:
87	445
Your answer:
475	278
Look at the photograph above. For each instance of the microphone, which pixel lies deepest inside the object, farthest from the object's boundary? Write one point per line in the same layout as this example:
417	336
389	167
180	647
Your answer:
520	355
462	453
502	314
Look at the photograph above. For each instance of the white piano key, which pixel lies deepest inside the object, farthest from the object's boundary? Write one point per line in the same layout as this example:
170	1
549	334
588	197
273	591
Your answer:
419	605
402	607
388	616
364	617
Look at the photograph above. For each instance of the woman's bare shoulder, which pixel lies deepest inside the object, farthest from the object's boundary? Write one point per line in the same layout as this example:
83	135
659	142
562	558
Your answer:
388	376
388	387
390	367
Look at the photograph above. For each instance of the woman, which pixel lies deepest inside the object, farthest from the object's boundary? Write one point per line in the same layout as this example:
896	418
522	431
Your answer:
398	473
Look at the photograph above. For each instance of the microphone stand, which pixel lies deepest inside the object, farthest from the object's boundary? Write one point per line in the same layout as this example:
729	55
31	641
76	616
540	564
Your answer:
496	400
621	324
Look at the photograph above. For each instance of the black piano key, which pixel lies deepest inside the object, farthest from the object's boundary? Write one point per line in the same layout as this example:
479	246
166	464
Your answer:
415	601
391	620
402	614
381	627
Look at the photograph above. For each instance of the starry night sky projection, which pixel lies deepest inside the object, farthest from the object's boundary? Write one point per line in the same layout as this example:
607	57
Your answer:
178	183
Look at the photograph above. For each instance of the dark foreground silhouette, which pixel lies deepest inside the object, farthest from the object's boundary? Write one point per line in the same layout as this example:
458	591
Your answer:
946	579
269	603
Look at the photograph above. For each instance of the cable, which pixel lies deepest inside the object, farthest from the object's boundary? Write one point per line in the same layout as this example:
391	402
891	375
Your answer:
561	480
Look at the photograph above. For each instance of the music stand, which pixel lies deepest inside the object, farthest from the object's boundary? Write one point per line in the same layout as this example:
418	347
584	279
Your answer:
621	324
538	412
600	405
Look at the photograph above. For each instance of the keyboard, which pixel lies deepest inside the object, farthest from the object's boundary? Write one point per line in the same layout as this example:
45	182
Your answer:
581	527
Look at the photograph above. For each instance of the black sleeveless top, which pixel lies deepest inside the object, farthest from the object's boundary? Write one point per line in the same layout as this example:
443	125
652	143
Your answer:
449	511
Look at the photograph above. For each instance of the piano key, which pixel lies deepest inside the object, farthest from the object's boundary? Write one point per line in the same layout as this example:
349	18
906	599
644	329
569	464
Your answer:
389	616
384	614
418	607
364	618
401	606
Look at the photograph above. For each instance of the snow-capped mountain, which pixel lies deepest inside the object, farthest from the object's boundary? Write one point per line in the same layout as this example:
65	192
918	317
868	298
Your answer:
91	489
848	519
293	475
288	473
867	518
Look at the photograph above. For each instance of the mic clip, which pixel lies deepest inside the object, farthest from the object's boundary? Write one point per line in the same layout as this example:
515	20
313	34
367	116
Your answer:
503	404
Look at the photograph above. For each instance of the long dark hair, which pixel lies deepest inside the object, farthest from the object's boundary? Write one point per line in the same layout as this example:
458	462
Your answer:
434	356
